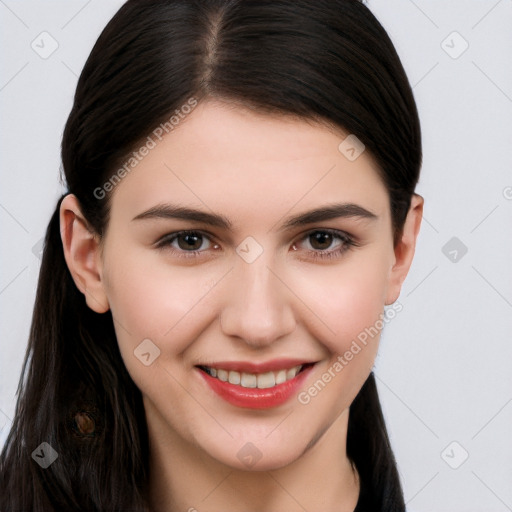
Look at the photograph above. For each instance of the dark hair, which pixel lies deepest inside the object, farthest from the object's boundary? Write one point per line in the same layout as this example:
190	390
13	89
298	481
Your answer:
327	60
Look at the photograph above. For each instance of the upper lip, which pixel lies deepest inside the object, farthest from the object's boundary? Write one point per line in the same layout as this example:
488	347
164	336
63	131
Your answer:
253	367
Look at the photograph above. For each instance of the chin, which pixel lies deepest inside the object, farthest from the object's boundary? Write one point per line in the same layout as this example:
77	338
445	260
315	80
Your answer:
258	456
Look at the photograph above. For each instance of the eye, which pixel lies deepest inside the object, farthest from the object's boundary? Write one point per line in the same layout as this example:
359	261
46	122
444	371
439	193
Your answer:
325	243
186	243
320	243
322	240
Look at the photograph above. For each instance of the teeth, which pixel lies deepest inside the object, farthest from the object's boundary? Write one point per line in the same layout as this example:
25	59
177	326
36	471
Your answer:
252	380
266	380
234	377
292	372
248	380
281	376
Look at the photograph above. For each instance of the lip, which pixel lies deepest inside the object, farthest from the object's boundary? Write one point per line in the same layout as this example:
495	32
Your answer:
255	398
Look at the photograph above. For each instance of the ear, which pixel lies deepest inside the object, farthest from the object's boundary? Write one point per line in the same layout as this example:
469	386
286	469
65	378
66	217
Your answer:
82	253
404	249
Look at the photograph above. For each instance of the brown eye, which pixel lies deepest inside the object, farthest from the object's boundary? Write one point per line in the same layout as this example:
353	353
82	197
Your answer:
187	244
190	242
325	244
321	240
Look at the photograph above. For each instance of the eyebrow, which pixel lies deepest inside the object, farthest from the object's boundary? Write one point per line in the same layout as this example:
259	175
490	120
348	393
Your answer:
328	212
169	211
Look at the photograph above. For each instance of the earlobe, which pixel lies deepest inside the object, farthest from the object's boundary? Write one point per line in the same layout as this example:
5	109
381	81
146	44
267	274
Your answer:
404	249
82	254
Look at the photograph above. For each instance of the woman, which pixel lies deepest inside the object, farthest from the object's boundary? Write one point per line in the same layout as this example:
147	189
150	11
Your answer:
240	210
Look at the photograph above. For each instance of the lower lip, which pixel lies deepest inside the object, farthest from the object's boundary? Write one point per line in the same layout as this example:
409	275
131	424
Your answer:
255	398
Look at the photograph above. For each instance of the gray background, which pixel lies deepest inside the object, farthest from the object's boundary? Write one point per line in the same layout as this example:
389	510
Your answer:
443	370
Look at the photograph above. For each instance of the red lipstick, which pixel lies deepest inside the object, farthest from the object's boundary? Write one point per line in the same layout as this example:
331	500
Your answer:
256	398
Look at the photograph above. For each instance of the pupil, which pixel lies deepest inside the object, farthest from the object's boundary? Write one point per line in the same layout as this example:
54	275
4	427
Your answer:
321	240
190	242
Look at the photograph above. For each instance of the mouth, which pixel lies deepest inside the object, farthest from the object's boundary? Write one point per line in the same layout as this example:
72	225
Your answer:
246	385
249	380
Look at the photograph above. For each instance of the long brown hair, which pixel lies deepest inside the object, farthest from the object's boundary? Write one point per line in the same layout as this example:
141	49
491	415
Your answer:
322	59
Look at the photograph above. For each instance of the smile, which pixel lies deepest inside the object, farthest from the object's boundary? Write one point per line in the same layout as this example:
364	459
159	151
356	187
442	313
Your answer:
255	386
253	380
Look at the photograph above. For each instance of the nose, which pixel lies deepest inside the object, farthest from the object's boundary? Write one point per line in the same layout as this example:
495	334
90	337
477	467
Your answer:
258	309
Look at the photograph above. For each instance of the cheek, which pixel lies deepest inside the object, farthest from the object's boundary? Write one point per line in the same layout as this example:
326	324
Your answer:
347	299
157	302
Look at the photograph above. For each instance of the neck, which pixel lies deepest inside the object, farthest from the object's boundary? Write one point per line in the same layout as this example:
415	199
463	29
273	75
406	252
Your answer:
185	478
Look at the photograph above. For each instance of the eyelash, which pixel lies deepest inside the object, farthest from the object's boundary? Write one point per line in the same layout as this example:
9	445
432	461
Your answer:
347	243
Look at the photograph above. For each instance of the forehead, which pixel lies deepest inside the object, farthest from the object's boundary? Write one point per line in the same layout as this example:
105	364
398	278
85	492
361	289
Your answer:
224	157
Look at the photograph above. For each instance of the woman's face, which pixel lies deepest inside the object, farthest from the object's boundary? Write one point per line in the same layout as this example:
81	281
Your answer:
289	260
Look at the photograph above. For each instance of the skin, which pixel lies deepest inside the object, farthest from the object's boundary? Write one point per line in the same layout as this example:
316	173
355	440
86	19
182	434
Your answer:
256	170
